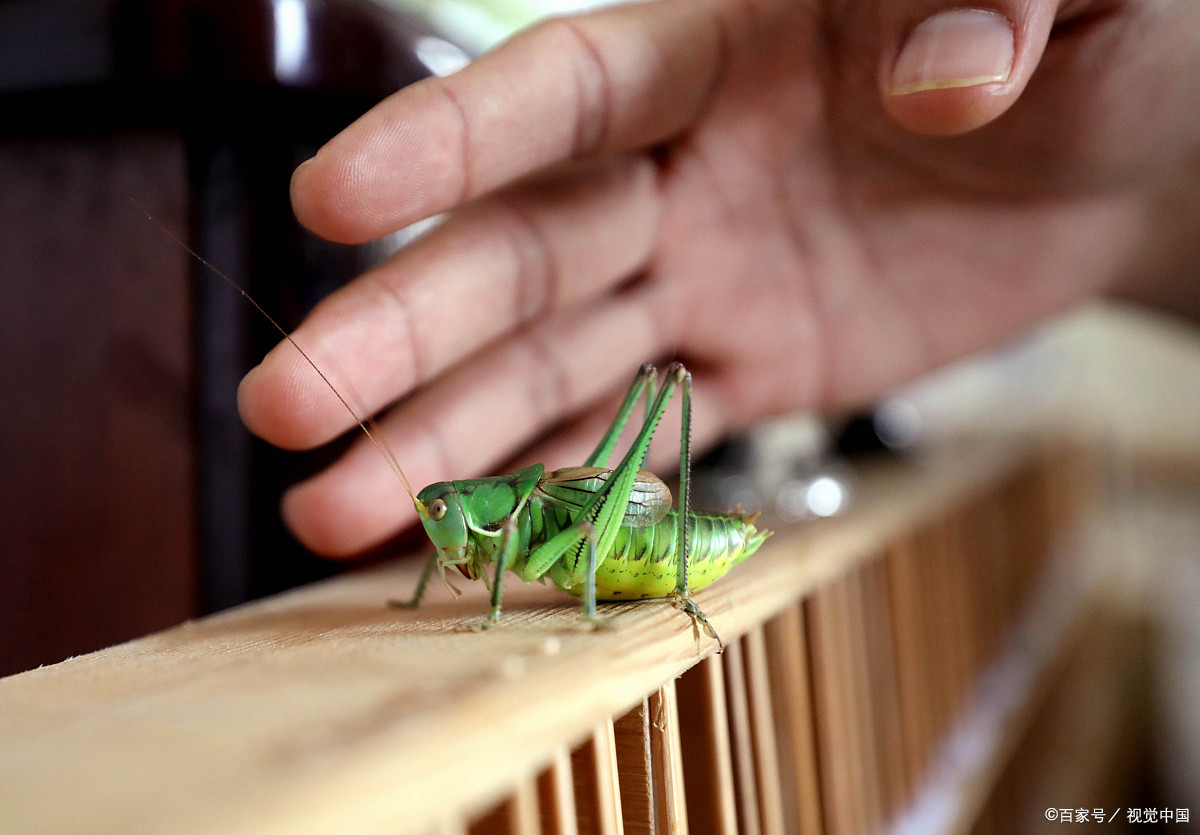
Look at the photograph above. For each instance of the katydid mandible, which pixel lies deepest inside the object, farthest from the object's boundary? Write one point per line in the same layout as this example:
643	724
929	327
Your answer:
596	533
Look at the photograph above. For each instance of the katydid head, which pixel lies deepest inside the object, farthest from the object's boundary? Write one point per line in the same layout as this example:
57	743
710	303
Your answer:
441	510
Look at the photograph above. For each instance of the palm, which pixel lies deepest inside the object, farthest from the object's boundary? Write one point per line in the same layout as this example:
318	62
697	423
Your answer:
773	216
866	254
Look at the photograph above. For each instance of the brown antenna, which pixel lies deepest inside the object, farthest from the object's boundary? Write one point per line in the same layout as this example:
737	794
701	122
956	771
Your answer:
362	422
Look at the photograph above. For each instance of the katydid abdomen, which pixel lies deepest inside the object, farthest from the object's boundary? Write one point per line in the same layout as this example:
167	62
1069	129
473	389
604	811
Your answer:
642	561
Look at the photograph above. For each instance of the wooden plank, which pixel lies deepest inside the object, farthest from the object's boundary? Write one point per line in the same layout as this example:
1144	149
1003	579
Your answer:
515	815
742	740
937	685
837	739
450	826
762	725
859	684
323	710
956	556
987	577
913	660
525	816
635	769
667	755
597	785
788	652
706	749
556	795
896	788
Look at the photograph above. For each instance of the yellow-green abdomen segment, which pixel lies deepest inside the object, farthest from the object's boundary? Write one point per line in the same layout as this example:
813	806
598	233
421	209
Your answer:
642	562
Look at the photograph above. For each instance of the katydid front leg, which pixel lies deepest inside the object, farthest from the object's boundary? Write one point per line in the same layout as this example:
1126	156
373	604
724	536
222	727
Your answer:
504	558
419	593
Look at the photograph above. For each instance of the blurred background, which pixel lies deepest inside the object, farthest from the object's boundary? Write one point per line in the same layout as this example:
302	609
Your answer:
133	499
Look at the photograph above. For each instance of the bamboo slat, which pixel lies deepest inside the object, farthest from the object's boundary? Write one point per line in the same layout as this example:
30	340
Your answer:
790	679
707	752
667	758
741	737
516	815
597	783
763	729
556	795
635	769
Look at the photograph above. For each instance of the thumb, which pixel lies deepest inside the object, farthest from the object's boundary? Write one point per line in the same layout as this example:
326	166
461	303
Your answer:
954	70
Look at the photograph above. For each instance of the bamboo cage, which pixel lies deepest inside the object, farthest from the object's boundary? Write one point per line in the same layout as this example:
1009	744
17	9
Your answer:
891	669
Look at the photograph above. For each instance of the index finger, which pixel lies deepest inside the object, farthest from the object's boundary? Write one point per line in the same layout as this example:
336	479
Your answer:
612	80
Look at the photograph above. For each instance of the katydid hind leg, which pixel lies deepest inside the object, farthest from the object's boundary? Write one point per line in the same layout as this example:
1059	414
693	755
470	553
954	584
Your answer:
598	521
651	397
700	620
624	475
606	508
589	588
682	597
543	557
642	382
682	551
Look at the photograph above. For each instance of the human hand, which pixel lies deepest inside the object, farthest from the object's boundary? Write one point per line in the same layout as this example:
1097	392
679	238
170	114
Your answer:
761	189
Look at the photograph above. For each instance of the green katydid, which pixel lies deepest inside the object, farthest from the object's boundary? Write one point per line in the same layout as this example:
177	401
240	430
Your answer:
597	533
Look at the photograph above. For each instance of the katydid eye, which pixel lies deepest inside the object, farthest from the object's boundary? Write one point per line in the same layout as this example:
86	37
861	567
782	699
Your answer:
437	510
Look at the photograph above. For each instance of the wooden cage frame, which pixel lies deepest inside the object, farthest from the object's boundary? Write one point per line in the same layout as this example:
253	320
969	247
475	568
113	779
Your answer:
859	649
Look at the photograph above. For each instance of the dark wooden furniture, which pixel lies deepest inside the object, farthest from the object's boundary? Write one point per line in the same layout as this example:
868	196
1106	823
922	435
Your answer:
131	497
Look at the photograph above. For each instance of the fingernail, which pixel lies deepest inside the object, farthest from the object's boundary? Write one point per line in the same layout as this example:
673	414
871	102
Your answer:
959	48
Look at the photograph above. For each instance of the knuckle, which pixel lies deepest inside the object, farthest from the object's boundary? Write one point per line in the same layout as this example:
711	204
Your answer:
590	78
535	267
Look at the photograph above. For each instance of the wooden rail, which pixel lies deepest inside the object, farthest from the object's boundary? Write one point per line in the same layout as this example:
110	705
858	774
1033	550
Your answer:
855	646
